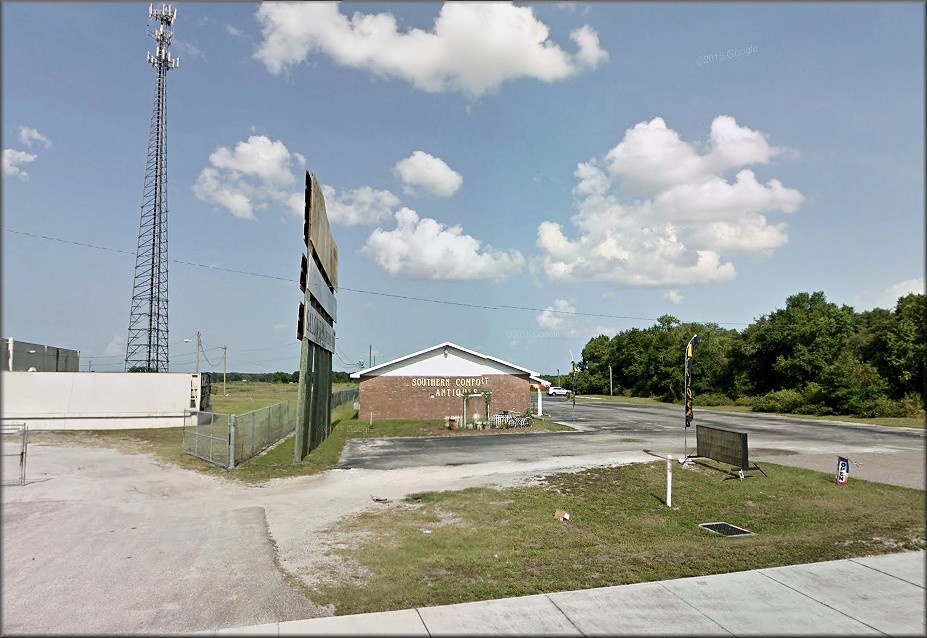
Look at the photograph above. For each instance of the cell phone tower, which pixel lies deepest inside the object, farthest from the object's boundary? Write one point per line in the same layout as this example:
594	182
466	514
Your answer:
146	350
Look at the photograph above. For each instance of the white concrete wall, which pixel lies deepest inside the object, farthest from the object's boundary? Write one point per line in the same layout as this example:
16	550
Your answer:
97	400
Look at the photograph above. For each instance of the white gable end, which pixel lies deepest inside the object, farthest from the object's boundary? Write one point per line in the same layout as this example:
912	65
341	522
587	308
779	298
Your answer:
455	364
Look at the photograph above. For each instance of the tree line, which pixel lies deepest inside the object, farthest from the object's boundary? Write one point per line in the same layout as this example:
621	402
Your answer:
280	377
811	357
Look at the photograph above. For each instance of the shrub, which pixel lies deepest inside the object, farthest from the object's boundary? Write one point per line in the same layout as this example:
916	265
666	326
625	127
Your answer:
787	401
913	405
910	406
854	387
711	398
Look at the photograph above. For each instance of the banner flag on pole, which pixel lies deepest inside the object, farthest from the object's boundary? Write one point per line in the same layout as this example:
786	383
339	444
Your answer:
690	349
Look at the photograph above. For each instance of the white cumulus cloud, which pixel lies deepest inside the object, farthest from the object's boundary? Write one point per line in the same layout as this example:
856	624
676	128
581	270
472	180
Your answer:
559	317
655	212
256	173
429	173
116	346
28	136
473	48
362	205
673	297
13	160
422	248
887	298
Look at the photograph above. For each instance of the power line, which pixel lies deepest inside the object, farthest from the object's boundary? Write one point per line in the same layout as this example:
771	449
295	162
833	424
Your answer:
381	294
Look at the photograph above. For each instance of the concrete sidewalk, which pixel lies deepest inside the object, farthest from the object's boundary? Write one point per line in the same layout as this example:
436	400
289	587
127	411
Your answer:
872	595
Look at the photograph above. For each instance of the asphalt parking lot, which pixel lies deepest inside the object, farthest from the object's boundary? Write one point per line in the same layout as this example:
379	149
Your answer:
884	454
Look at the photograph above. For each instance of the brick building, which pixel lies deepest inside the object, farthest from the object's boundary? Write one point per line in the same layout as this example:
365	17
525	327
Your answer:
433	383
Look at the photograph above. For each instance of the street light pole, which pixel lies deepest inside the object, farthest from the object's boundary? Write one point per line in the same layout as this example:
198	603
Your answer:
225	352
197	352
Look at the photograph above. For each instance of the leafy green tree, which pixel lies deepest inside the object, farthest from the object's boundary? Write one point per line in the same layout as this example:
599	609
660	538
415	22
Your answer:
907	346
792	346
853	387
812	357
596	357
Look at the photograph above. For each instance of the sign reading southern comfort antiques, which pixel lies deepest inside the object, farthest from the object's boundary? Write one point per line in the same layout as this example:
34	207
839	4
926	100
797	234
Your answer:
450	387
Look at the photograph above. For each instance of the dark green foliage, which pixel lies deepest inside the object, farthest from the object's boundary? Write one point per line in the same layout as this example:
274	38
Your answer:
779	401
711	398
811	357
283	377
593	376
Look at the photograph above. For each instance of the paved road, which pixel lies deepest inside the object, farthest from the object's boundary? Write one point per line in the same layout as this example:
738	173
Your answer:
885	454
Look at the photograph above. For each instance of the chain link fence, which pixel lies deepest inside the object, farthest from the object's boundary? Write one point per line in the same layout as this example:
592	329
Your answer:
15	441
206	436
343	396
257	430
227	440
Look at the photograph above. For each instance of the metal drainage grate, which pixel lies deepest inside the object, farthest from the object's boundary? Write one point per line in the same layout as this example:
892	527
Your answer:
726	529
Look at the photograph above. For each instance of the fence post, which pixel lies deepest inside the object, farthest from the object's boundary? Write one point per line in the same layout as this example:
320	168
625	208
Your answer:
23	454
231	441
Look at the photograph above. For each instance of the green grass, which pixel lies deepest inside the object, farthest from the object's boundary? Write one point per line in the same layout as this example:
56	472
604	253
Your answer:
486	543
244	396
903	422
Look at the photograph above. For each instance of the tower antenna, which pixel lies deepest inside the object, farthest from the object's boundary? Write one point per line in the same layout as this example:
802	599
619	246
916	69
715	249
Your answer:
146	349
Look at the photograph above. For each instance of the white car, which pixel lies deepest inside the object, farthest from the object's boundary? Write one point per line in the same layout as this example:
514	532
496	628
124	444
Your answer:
554	390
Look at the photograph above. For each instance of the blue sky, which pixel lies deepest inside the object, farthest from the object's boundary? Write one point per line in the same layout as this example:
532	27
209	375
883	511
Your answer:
554	171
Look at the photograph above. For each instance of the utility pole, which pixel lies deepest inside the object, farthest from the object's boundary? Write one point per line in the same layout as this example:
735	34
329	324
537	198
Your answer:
225	353
609	381
558	378
197	352
370	357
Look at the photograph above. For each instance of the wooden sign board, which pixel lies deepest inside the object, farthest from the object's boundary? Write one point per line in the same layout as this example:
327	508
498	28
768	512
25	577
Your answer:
318	232
318	330
726	446
314	286
318	289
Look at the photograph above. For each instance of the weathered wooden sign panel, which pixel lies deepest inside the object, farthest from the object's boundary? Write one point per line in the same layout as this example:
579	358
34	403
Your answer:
318	330
318	232
318	288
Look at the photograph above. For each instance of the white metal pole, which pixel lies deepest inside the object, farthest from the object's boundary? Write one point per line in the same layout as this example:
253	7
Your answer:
540	402
669	480
610	381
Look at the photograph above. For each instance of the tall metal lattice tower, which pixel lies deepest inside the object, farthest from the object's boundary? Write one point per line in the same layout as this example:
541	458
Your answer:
146	349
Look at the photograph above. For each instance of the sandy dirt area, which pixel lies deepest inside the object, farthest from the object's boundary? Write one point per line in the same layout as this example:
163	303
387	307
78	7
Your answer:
103	541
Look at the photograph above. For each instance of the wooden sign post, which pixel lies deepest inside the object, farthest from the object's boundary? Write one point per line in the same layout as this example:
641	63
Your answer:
318	279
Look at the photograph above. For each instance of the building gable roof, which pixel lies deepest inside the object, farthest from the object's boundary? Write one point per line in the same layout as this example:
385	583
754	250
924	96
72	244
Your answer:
408	359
